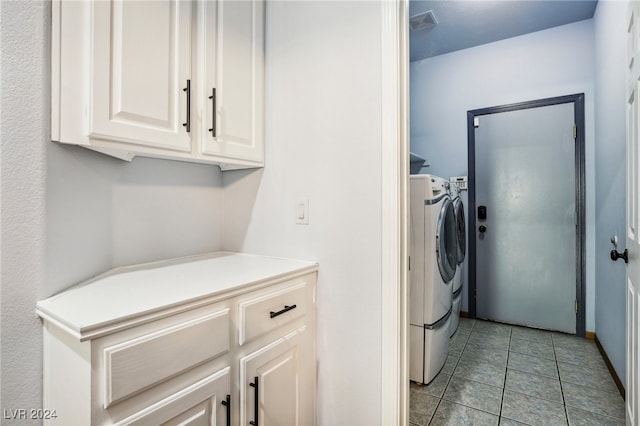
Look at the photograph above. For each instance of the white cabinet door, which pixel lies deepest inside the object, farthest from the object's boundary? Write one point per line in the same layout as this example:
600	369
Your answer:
233	84
141	64
276	383
206	402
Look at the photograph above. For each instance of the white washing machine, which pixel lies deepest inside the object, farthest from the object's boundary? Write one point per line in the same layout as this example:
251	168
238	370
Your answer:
433	264
461	238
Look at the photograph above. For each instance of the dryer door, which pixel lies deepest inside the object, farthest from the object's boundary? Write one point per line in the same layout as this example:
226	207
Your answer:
447	241
461	230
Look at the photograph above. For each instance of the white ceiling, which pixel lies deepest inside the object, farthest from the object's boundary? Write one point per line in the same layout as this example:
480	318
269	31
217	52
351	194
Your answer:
468	23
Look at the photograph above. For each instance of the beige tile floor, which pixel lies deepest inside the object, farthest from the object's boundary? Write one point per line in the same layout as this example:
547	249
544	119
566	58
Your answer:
508	375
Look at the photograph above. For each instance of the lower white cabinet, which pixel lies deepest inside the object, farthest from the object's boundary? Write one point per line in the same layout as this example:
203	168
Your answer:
270	380
217	339
205	402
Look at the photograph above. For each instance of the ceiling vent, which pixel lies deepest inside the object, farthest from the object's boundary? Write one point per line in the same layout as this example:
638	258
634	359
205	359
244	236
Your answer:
423	21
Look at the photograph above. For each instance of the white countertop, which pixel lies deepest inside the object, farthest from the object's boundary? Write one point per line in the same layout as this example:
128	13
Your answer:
130	293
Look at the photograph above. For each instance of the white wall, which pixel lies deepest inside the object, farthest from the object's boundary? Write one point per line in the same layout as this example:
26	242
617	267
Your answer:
610	133
103	212
69	213
323	143
549	63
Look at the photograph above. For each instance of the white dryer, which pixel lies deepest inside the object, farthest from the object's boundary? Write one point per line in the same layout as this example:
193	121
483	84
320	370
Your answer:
458	208
433	264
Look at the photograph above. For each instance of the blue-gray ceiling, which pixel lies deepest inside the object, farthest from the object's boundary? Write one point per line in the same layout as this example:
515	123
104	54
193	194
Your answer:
468	23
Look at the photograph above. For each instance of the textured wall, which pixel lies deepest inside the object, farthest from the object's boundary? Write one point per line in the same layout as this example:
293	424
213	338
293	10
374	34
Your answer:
22	135
69	213
548	63
610	47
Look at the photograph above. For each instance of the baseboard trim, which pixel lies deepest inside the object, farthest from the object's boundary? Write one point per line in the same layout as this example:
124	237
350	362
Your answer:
464	314
612	371
590	335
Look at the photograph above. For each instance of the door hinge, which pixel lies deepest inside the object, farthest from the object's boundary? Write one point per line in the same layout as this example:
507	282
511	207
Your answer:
575	132
576	306
409	262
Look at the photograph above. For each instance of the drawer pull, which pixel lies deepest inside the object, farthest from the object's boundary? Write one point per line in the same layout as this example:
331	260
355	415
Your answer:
227	403
286	309
256	402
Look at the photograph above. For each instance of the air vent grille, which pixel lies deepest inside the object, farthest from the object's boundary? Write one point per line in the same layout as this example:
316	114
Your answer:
423	21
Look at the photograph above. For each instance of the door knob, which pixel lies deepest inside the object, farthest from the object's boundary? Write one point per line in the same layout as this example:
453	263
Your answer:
482	229
615	255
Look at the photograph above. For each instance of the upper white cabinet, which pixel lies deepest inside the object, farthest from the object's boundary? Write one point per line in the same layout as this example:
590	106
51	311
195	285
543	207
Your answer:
233	51
176	79
141	64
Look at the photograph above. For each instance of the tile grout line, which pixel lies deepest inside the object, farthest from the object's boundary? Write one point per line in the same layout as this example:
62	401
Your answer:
434	411
504	383
537	396
555	357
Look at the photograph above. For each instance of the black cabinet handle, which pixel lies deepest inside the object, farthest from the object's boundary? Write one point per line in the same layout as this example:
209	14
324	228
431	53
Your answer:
615	255
227	403
188	90
256	404
213	113
286	309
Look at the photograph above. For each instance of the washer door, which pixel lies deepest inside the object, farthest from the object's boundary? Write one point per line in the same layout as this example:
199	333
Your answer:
447	241
460	229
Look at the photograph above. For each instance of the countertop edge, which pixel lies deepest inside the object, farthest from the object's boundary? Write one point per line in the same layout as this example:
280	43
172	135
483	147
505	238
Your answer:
91	331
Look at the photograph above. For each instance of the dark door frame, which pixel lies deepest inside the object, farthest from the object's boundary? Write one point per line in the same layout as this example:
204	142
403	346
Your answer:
578	102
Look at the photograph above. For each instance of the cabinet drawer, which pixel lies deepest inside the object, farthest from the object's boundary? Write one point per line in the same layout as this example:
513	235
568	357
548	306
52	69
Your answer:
136	364
269	311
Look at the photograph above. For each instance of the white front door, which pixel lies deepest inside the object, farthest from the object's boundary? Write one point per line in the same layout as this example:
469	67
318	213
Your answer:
633	222
526	202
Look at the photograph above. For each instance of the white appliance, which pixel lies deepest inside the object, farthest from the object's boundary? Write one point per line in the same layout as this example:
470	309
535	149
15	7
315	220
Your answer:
461	235
433	264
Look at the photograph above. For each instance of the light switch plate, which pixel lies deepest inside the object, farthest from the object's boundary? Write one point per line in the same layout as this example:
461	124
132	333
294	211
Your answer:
302	211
